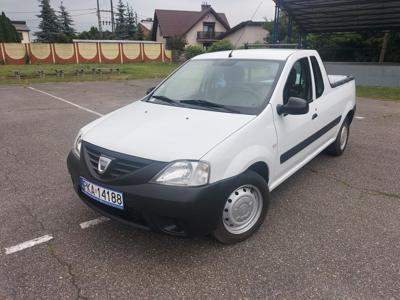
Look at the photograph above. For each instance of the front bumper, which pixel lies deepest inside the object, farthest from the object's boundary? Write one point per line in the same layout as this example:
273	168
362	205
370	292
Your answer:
182	211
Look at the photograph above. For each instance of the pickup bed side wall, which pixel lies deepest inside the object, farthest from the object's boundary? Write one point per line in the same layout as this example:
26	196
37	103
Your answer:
351	103
255	142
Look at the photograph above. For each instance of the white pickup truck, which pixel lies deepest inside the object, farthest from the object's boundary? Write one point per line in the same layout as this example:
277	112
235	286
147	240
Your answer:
202	151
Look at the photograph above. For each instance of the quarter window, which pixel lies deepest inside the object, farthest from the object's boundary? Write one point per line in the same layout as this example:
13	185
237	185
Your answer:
298	83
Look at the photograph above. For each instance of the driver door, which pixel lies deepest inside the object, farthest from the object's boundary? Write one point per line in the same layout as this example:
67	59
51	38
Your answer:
294	131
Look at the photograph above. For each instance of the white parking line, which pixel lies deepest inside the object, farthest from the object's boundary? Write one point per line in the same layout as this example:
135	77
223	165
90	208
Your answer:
359	118
93	222
66	101
28	244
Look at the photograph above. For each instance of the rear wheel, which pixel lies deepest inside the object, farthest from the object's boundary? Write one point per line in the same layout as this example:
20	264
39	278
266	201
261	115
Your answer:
339	145
244	209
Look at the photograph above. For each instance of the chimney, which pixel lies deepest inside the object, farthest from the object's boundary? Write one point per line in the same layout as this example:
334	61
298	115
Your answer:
205	6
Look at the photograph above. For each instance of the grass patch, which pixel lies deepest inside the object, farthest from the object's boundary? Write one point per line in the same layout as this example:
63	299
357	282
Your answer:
30	73
381	93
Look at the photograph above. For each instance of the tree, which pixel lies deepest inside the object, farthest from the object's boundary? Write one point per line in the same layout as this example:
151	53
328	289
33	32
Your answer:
176	43
49	27
66	23
131	23
283	30
121	31
139	34
347	46
8	34
94	34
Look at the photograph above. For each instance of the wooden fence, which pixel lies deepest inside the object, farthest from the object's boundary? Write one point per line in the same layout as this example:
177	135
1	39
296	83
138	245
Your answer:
80	51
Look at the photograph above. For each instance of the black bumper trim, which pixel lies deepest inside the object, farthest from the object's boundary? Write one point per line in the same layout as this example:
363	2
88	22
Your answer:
190	211
110	215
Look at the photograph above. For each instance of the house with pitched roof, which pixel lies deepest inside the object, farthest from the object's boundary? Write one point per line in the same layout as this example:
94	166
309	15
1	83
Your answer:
146	26
22	30
199	28
247	32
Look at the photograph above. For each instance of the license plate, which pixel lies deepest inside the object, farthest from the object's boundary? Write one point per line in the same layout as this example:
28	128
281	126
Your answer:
101	194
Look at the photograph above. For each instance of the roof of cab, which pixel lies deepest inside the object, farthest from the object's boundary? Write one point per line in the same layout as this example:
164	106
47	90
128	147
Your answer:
273	54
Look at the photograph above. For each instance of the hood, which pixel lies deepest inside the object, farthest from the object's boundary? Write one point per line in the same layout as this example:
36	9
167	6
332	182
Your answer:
162	132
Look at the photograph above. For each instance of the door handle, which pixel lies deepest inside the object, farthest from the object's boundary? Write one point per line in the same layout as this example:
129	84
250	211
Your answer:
314	116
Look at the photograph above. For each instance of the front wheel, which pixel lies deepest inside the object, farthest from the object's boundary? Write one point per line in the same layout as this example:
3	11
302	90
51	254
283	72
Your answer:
339	145
244	210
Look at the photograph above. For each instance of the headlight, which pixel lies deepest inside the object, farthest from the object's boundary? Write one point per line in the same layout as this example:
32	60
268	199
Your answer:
77	145
184	173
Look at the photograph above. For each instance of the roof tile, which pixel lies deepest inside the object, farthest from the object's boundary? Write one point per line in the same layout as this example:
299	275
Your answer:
178	22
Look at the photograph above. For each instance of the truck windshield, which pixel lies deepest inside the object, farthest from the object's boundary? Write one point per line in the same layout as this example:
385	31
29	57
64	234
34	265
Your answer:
231	85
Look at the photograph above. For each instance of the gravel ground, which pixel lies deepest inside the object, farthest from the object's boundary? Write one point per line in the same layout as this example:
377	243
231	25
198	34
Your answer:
332	230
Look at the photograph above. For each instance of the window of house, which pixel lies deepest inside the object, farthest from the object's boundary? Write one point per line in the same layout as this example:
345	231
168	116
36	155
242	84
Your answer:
208	27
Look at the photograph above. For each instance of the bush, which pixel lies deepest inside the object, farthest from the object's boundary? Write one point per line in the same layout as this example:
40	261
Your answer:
221	46
192	51
176	43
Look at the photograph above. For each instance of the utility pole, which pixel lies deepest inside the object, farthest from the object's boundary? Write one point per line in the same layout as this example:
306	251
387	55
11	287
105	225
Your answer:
112	16
98	15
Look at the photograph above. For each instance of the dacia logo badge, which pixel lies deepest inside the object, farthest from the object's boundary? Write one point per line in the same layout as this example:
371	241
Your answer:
104	163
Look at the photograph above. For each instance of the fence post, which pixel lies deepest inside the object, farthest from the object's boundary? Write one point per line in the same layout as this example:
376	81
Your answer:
28	52
2	53
76	53
52	50
98	47
120	53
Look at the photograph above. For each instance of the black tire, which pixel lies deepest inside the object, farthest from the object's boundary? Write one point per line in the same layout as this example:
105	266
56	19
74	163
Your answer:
336	148
247	178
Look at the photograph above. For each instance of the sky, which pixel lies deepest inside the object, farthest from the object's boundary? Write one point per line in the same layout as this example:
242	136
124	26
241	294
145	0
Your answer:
84	11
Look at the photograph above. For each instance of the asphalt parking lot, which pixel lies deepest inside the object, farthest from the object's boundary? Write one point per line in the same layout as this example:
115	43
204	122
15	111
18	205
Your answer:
333	229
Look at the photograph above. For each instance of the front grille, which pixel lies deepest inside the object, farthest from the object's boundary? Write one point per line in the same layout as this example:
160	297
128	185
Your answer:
120	166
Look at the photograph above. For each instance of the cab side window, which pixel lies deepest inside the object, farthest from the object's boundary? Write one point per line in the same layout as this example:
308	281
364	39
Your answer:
298	83
319	82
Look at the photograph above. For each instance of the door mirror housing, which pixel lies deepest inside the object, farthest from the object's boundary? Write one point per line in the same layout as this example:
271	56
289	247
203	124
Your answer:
294	106
150	90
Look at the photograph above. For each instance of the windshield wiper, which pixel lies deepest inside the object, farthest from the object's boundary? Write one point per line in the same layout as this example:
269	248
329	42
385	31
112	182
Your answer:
209	104
167	100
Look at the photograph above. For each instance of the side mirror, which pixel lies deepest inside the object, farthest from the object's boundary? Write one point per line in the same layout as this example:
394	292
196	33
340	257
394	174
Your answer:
294	106
150	90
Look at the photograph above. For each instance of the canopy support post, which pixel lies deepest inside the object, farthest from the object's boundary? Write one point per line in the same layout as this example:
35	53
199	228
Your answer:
299	40
289	32
384	47
275	30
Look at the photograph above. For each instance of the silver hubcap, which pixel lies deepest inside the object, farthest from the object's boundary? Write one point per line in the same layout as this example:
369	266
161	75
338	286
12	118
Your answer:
343	137
242	209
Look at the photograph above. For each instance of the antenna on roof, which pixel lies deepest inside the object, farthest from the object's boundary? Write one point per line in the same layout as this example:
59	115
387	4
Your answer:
251	19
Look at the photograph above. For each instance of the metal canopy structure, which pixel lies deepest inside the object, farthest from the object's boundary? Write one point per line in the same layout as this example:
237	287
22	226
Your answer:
324	16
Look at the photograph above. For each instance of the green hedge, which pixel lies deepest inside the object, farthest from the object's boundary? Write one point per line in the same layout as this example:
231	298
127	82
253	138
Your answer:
192	51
